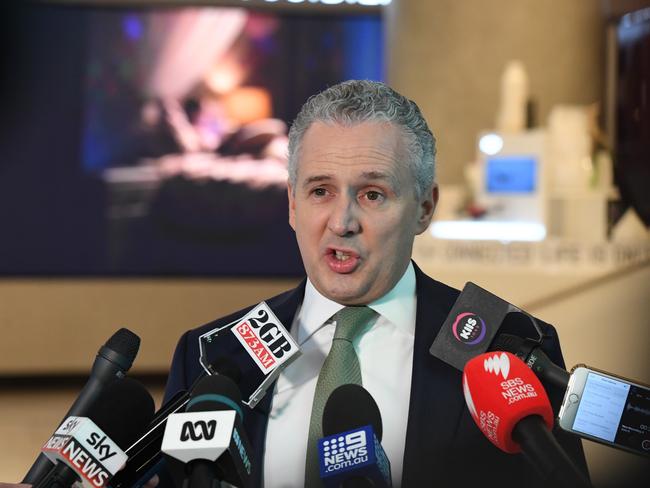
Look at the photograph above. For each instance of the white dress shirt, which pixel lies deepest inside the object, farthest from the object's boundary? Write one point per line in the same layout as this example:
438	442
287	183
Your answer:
386	358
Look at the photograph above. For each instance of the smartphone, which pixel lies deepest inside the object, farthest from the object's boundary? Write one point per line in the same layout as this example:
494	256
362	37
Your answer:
608	409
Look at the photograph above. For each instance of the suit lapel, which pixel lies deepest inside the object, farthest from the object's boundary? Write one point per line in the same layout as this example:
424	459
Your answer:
436	401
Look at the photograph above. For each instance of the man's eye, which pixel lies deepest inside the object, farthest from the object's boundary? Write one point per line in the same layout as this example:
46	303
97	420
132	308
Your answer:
320	192
373	195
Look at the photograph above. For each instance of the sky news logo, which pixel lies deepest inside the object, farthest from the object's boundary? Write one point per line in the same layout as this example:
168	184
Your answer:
343	451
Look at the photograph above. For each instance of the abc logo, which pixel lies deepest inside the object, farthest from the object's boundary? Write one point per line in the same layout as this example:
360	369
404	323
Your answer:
469	328
198	430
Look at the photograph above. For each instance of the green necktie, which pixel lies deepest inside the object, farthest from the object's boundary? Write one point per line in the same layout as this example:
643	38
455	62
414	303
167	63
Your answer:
341	367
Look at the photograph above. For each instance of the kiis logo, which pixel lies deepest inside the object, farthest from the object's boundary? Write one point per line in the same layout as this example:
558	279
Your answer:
198	430
499	363
469	328
341	452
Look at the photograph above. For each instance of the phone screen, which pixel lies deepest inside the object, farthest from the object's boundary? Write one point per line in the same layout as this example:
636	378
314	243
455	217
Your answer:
614	411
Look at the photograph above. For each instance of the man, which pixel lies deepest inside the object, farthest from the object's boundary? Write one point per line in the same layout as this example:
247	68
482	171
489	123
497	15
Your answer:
361	187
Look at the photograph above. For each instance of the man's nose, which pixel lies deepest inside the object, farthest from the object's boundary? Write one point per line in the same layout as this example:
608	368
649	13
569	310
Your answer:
344	220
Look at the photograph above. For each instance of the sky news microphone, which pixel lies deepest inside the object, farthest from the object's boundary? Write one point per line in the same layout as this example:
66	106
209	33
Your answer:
113	360
90	449
511	408
350	453
209	437
535	358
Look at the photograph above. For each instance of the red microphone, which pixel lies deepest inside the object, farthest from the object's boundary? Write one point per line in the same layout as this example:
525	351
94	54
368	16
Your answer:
510	406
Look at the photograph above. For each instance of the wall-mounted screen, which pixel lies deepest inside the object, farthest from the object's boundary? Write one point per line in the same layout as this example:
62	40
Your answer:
152	140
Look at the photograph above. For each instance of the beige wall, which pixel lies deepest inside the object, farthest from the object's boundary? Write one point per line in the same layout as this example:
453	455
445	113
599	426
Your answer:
448	56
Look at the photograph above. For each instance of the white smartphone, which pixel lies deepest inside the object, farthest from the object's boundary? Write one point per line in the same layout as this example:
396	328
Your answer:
608	409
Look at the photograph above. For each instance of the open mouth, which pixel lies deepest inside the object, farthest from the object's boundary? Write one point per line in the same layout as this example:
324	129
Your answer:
342	260
341	256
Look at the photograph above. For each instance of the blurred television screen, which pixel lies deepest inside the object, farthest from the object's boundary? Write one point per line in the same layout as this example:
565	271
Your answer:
152	140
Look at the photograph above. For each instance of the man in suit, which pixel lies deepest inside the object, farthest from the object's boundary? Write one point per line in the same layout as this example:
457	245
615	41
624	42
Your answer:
361	187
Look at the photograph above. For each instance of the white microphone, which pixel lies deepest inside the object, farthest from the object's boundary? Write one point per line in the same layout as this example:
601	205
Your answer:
209	437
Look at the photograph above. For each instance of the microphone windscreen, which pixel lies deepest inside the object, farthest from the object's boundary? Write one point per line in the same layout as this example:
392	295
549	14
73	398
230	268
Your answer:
125	343
350	407
215	392
123	411
500	390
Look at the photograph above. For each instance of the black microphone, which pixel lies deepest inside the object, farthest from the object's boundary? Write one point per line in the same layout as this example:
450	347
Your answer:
531	353
113	360
145	459
350	453
89	449
209	437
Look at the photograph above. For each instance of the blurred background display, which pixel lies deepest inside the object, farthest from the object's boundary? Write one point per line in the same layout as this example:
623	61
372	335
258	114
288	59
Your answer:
152	141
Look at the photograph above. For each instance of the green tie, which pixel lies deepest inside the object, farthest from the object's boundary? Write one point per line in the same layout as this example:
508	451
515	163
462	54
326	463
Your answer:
341	367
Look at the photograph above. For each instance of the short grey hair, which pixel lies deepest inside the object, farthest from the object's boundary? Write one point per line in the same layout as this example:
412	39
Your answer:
356	101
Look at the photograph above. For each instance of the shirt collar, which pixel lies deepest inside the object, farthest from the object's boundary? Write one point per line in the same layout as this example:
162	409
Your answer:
397	306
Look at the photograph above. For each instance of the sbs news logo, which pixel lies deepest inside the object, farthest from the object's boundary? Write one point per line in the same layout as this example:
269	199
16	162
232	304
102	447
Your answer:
343	451
499	363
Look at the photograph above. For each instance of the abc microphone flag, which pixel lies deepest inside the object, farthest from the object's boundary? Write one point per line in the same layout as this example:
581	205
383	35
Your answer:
209	437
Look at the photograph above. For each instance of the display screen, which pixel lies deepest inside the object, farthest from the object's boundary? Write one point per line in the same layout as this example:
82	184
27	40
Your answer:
615	411
511	174
152	140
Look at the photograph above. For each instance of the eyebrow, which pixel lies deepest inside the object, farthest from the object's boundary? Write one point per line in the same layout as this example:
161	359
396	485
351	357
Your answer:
316	179
366	175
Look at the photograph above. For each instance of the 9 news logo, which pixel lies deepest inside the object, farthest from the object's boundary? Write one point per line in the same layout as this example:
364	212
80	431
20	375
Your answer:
344	451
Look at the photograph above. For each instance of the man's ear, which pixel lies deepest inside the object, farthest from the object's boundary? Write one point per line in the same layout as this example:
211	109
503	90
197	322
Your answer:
426	208
292	206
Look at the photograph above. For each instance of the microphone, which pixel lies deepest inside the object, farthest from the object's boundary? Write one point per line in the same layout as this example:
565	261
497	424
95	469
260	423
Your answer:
474	321
511	408
113	360
209	437
350	453
145	454
535	358
88	449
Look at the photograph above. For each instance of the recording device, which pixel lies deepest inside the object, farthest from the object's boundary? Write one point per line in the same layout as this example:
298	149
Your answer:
208	438
88	449
268	348
608	409
474	321
251	350
535	358
113	360
510	406
350	453
144	454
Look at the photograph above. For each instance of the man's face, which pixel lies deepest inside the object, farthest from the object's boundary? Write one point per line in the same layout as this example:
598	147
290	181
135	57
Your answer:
355	211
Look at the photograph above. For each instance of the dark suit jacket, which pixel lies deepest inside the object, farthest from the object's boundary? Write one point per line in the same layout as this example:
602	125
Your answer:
443	445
